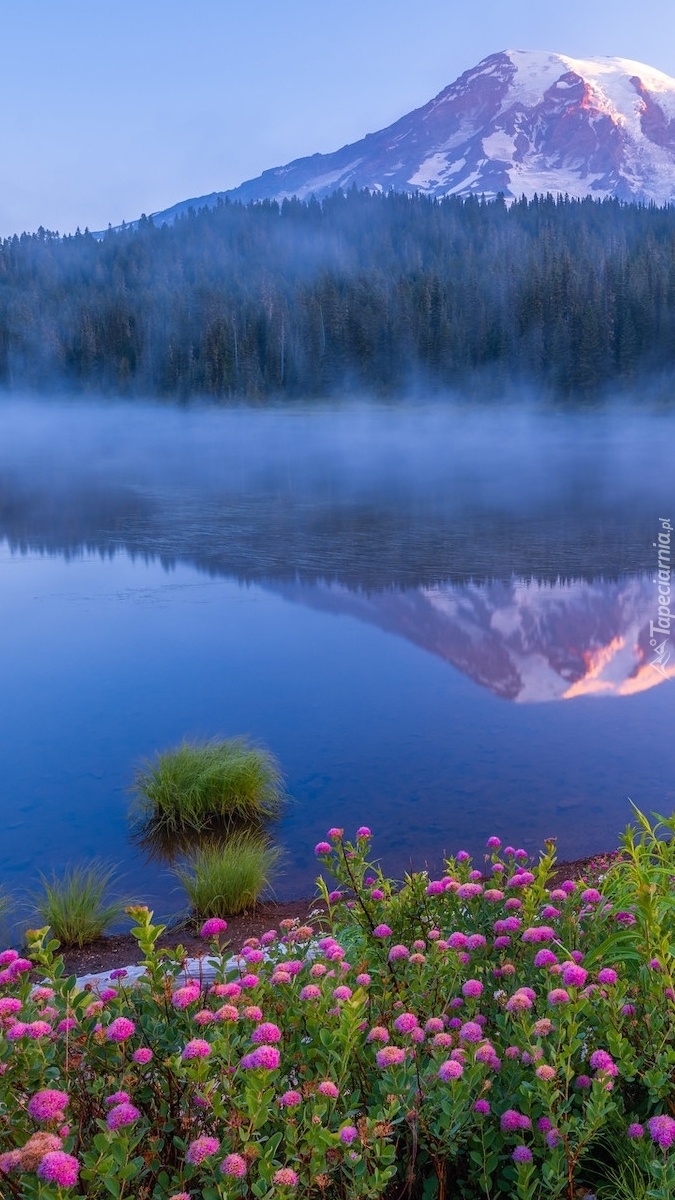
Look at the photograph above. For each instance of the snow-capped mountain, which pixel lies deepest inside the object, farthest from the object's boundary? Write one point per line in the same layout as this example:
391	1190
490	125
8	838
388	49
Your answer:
521	122
525	641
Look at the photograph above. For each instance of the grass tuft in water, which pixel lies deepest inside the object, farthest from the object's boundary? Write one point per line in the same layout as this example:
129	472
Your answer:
73	904
222	880
202	785
6	907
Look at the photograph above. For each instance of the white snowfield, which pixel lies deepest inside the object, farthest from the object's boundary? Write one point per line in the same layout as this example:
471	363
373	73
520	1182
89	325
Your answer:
521	122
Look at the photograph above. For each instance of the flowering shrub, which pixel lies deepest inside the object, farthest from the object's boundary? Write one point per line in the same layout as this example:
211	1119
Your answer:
480	1035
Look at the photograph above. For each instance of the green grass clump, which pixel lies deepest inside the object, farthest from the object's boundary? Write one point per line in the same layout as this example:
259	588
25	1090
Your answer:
73	904
223	880
202	785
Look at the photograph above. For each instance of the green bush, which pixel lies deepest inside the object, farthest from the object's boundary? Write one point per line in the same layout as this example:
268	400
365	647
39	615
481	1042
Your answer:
74	906
224	879
216	784
451	1039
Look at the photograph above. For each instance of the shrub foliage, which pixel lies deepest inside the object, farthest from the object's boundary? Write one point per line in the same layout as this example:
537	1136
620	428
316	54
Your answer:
486	1034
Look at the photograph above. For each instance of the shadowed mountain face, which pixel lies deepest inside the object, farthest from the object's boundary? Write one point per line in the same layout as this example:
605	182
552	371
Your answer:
521	122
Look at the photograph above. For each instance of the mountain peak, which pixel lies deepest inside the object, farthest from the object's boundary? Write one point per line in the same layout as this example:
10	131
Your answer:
520	122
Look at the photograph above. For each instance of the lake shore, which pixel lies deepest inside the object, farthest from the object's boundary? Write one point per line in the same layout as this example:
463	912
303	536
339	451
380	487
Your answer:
121	950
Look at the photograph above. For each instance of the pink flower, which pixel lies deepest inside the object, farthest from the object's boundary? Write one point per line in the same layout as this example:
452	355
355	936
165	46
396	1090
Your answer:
253	1013
591	896
328	1088
121	1115
310	992
520	880
226	991
582	1081
382	931
398	952
234	1166
451	1069
348	1134
545	1072
472	988
143	1055
9	1005
662	1131
66	1025
119	973
363	832
202	1148
290	1099
59	1168
118	1098
342	993
9	1161
227	1012
482	1107
180	1196
607	975
628	1010
377	894
462	856
120	1029
378	1034
573	975
544	958
522	1154
493	894
558	996
493	843
205	1017
512	1120
363	979
435	888
213	927
518	1001
542	1027
265	1057
47	1105
468	891
267	1032
184	996
389	1056
285	1177
600	1060
635	1130
457	941
322	848
434	1025
196	1048
7	957
443	1039
471	1031
406	1023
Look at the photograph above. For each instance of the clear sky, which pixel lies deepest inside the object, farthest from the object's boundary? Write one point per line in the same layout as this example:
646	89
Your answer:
110	110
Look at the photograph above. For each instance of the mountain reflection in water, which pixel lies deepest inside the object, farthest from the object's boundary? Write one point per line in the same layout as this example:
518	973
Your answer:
524	640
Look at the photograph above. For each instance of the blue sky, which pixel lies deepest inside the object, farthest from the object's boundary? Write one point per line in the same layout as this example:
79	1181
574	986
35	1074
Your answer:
117	109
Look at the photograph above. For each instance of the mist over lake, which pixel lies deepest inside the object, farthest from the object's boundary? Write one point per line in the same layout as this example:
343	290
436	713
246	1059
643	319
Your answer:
436	617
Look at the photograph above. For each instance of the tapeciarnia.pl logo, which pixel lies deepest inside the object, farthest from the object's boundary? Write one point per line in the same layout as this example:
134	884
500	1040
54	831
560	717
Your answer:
662	625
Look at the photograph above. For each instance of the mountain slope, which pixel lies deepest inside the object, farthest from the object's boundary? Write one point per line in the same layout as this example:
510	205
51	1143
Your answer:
521	122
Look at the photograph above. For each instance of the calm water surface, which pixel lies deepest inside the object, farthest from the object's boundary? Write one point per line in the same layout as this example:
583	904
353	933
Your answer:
437	619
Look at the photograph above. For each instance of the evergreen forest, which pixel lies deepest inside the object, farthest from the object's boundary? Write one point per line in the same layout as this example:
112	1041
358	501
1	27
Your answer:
363	292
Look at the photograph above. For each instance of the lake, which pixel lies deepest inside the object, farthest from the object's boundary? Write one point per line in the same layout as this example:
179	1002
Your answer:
437	617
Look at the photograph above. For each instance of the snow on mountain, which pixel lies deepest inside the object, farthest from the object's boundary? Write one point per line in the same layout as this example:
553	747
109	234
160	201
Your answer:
521	122
525	641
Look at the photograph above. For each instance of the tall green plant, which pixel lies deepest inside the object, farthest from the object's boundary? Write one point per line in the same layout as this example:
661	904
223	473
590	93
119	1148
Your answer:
75	905
221	880
207	784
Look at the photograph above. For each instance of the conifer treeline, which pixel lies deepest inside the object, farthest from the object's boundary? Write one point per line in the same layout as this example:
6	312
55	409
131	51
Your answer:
363	291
